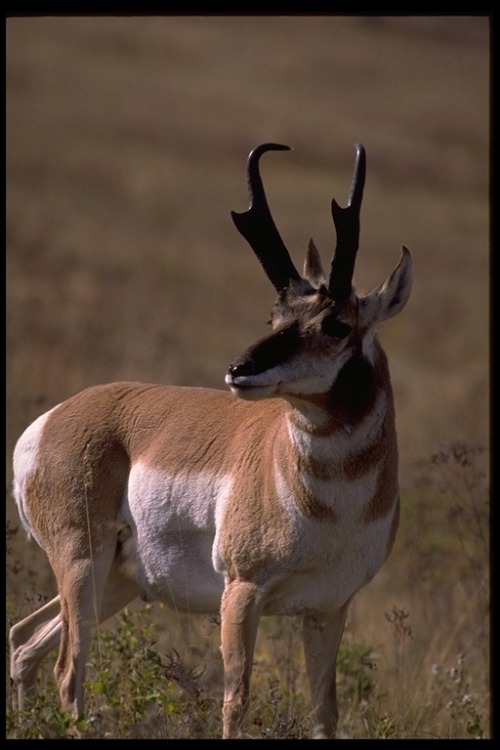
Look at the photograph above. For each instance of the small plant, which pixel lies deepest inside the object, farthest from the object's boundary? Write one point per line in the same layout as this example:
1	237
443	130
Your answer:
132	691
41	719
460	476
356	665
145	689
461	701
401	631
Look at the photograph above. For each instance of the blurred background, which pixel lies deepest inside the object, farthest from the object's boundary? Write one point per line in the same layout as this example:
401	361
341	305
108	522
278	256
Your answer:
127	140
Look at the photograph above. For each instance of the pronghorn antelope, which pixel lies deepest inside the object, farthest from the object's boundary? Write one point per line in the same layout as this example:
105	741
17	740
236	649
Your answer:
278	498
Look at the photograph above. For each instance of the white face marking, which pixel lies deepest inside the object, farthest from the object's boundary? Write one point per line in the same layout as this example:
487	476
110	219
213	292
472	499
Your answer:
311	376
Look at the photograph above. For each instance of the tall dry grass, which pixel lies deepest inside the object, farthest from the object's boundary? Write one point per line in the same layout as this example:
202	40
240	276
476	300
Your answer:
126	148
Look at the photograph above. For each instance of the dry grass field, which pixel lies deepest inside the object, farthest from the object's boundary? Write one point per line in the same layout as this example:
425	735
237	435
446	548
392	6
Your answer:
127	140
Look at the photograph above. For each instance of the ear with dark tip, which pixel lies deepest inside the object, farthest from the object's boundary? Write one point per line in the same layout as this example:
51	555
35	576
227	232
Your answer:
313	270
258	228
346	221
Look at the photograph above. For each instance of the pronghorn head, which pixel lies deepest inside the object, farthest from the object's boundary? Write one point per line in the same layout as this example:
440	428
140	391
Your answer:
319	323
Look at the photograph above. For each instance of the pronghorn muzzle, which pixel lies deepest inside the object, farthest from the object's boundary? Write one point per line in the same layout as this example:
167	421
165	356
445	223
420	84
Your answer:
265	355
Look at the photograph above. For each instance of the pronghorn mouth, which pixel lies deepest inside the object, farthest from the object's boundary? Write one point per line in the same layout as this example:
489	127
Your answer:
244	387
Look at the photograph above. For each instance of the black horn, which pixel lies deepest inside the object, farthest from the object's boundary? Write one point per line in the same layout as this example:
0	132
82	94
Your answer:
258	228
346	221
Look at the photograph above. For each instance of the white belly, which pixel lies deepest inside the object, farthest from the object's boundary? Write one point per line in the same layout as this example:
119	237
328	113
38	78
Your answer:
169	554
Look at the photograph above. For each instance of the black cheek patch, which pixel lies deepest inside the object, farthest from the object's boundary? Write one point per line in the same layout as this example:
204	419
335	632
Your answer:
353	393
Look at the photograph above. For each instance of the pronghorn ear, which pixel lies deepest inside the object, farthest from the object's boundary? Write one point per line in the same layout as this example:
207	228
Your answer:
389	298
313	270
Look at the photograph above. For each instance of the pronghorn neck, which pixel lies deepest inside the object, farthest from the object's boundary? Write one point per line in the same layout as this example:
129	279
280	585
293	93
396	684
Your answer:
336	461
361	383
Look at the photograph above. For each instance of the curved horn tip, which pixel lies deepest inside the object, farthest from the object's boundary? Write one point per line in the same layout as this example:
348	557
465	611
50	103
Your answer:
360	156
360	159
259	150
360	162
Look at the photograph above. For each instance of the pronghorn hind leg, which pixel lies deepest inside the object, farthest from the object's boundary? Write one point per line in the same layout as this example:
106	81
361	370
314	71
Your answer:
91	591
240	614
80	603
30	641
38	634
322	634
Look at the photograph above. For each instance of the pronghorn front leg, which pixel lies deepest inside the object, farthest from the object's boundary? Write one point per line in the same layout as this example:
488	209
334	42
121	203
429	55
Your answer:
241	609
322	633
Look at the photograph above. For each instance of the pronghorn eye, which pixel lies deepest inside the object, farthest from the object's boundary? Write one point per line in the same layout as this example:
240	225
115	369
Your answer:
335	328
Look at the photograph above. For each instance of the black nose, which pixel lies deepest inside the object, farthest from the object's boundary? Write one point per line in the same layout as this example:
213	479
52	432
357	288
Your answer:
241	369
